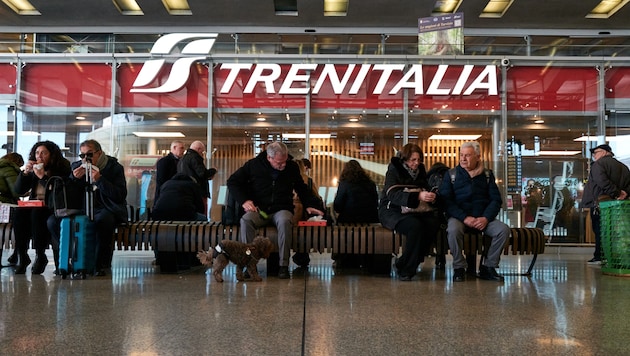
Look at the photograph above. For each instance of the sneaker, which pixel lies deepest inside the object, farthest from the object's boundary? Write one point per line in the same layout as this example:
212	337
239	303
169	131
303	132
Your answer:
594	261
489	273
459	275
283	272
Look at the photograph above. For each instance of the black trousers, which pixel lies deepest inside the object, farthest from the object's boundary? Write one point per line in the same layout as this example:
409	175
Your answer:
419	231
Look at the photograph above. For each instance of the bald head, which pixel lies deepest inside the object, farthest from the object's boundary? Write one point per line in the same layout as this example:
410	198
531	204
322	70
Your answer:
199	147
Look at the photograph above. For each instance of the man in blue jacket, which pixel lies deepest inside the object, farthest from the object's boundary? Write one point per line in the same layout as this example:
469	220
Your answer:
472	201
264	187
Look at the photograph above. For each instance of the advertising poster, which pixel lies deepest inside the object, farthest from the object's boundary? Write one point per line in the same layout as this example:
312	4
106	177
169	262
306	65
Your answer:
441	35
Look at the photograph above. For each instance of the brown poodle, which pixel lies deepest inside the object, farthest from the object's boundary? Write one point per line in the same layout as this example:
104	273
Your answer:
241	254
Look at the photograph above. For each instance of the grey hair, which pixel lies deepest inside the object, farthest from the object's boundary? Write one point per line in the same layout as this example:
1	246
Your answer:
474	145
277	147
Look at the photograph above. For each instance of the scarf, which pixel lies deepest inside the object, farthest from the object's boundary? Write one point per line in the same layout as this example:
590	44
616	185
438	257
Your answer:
477	171
102	161
413	173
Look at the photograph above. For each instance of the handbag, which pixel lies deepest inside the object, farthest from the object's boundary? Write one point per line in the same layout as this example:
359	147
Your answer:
423	207
57	198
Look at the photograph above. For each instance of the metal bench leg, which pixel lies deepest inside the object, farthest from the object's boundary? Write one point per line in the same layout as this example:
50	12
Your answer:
531	266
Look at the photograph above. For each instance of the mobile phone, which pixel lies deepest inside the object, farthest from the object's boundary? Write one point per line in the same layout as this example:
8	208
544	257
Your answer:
434	190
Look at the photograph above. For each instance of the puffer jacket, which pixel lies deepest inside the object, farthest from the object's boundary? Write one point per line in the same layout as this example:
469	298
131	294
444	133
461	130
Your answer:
391	201
476	197
270	190
9	172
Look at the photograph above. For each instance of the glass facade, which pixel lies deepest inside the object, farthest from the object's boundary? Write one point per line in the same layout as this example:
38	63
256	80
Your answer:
535	117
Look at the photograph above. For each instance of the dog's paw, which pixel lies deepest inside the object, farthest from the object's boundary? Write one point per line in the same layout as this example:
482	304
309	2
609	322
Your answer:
256	279
218	278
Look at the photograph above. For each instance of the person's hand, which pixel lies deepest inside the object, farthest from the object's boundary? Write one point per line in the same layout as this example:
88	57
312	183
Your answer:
28	167
470	221
313	211
79	172
249	205
428	197
480	223
623	195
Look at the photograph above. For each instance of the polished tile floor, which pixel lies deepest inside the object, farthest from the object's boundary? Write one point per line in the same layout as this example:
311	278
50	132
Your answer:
565	308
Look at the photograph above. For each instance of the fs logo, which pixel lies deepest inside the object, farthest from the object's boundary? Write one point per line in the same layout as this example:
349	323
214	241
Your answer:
180	70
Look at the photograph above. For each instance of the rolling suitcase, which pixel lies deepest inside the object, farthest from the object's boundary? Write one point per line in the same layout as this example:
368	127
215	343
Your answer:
77	246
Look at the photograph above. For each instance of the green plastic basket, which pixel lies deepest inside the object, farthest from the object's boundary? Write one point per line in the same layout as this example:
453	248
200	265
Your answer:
615	233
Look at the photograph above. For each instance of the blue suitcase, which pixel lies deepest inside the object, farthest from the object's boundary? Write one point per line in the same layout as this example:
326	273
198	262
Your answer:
77	246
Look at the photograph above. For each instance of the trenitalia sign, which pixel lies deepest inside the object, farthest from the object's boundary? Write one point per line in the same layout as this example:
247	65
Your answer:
259	84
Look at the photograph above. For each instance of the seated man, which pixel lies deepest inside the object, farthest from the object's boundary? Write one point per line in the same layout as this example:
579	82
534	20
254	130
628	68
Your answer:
180	199
110	192
264	187
472	200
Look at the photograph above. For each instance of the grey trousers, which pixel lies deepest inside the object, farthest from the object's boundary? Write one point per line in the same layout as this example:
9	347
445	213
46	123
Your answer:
495	229
282	220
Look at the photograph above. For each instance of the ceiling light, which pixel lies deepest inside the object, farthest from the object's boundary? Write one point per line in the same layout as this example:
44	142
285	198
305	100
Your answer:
454	137
172	118
557	153
285	7
539	121
22	7
336	7
606	8
445	120
354	119
445	6
158	134
80	117
496	8
261	119
177	7
607	139
127	7
298	135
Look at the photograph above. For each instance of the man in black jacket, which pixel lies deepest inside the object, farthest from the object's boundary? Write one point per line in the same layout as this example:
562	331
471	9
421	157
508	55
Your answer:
166	166
192	164
109	194
608	178
264	187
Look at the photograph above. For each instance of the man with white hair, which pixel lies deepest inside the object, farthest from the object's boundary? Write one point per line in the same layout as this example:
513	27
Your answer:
472	201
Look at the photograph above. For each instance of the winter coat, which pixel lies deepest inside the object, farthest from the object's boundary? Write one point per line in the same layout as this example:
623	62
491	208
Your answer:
607	177
30	182
9	172
357	202
180	200
270	190
191	164
476	197
166	168
111	188
391	201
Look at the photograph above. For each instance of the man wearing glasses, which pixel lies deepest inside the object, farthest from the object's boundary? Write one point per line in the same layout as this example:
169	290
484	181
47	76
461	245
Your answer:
109	198
608	179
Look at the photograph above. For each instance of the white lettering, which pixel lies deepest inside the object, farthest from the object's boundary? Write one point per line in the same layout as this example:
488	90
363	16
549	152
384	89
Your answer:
233	75
358	82
463	78
387	72
330	71
437	80
268	79
293	76
417	84
490	72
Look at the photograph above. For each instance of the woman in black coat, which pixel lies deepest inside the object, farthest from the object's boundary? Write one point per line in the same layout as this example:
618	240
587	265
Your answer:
45	161
357	199
408	171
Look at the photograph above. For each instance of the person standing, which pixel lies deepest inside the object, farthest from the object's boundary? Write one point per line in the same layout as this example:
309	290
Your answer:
404	172
109	194
166	166
192	165
608	179
44	161
472	200
264	187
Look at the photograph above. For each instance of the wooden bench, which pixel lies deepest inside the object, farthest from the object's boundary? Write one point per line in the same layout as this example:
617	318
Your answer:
176	242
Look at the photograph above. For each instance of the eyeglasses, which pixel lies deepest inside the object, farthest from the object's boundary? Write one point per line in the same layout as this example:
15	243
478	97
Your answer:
87	154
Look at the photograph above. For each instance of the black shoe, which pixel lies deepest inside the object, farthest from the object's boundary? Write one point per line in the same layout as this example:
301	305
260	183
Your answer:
246	275
404	278
283	272
440	262
39	265
13	259
20	268
301	259
459	275
489	274
100	273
